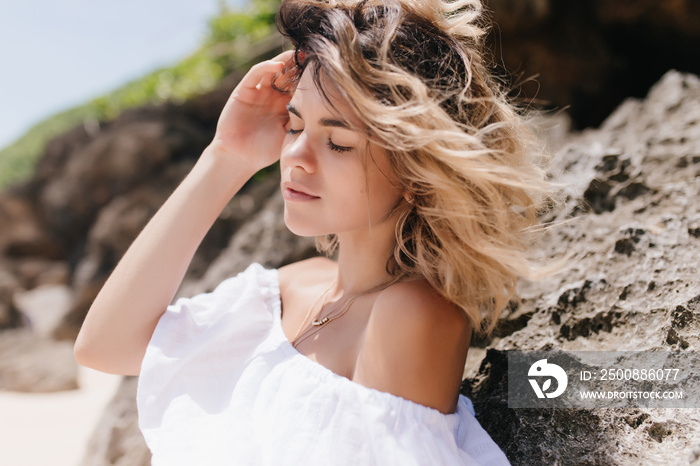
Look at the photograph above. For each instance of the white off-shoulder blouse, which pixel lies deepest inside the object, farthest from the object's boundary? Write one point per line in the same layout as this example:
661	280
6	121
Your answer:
220	384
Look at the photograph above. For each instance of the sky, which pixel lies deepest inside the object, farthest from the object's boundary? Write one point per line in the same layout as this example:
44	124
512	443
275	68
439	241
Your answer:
56	54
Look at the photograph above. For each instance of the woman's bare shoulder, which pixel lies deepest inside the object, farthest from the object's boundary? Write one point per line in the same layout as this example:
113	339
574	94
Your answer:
415	345
419	308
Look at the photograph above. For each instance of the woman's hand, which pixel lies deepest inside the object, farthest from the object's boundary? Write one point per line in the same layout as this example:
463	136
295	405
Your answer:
121	320
251	127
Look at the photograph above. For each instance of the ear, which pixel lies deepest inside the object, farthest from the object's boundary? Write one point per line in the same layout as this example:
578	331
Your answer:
410	198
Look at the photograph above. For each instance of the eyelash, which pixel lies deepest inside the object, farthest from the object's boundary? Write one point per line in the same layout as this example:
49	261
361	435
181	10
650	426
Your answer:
331	146
337	148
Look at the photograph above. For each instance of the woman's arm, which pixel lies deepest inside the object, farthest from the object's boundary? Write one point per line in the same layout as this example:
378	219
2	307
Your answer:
122	318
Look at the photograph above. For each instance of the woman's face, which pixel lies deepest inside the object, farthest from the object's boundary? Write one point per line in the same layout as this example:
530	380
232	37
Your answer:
325	185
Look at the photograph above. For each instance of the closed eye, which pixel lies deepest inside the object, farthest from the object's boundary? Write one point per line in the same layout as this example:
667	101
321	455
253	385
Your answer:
337	148
294	131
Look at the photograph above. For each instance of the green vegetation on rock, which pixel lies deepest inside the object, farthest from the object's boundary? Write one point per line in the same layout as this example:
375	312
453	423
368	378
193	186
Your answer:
226	48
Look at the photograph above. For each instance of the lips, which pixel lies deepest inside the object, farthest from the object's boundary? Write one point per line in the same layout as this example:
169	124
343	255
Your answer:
296	192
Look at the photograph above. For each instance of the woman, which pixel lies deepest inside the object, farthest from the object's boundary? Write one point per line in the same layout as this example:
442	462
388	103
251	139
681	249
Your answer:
397	152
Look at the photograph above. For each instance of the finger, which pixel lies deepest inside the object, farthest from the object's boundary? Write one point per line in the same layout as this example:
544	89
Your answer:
287	78
283	57
283	76
266	81
259	71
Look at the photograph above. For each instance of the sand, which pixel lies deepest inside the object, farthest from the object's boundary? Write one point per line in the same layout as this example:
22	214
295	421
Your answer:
52	429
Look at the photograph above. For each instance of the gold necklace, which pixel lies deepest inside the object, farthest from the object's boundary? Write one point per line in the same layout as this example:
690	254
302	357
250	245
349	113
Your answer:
308	313
319	323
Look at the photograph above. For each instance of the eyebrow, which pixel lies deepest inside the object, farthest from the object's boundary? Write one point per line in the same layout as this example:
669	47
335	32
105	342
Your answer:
323	121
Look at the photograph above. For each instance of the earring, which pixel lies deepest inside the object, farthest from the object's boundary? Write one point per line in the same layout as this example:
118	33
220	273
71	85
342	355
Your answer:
410	198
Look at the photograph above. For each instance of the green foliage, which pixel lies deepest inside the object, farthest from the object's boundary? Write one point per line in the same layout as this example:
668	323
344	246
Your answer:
231	26
17	160
196	74
231	33
229	38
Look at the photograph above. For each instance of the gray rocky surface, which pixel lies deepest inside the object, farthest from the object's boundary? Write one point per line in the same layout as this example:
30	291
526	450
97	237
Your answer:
118	441
633	187
32	364
44	307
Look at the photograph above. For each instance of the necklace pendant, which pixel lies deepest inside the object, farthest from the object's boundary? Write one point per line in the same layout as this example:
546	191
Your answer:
320	323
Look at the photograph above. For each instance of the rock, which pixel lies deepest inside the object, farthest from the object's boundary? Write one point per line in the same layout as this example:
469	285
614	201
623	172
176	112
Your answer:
69	326
631	285
237	214
9	316
681	16
57	153
22	233
121	220
132	150
44	307
32	364
537	436
117	441
588	56
34	271
265	239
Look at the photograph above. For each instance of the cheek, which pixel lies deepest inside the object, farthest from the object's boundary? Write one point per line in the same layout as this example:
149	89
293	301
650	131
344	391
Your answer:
384	187
352	195
356	189
344	174
349	194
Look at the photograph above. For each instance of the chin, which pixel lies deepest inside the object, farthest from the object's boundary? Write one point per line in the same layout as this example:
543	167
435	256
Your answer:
300	227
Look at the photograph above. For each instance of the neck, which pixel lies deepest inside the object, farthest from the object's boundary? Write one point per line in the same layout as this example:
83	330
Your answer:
362	259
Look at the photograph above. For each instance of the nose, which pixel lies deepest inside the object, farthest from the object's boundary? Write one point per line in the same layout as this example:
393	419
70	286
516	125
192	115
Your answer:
298	153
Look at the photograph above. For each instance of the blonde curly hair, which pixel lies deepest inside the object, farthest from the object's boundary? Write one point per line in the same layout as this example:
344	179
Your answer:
414	73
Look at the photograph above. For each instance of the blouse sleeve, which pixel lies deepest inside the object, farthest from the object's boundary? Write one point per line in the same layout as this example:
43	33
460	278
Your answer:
197	339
